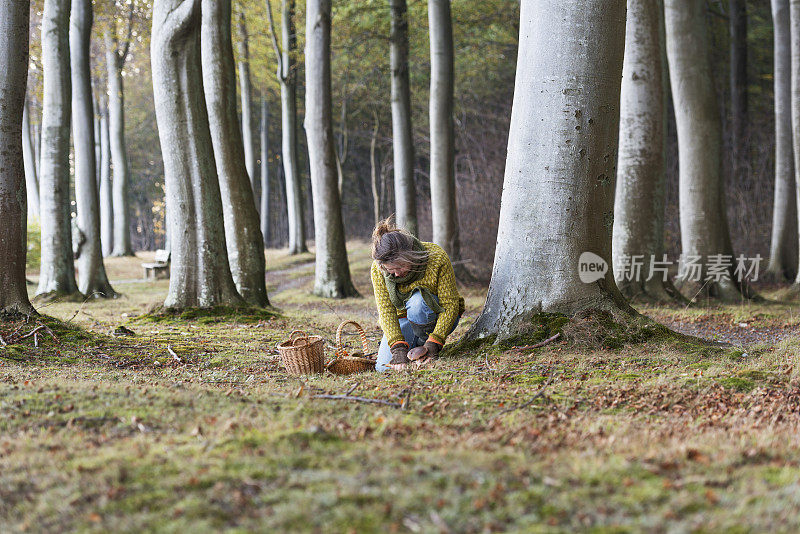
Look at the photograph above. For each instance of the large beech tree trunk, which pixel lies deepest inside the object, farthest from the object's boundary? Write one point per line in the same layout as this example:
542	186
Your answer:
783	257
794	25
106	188
332	273
246	90
402	136
641	172
200	274
444	216
92	279
29	157
264	212
559	180
704	225
115	61
57	271
242	233
14	18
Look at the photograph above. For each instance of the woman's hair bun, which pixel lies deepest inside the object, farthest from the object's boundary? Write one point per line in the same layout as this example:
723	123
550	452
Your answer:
382	228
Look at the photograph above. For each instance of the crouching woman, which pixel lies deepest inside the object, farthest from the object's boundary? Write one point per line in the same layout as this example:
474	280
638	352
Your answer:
416	294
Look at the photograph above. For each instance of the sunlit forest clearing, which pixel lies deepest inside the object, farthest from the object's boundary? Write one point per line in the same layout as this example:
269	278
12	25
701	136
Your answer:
193	423
455	266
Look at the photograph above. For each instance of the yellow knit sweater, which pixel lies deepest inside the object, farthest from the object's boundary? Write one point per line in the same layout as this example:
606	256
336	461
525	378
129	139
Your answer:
439	279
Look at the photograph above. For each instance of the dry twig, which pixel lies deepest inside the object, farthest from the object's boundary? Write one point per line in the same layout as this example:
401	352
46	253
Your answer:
540	344
357	399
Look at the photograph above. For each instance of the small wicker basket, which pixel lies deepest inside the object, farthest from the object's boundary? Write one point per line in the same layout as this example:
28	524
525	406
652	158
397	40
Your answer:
346	364
303	354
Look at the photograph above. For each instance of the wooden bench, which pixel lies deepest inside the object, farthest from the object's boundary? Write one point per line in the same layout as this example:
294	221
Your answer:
158	269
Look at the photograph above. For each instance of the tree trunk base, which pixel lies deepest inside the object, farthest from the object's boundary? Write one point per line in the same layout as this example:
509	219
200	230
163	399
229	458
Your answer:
722	291
653	292
59	296
16	312
590	329
336	291
215	314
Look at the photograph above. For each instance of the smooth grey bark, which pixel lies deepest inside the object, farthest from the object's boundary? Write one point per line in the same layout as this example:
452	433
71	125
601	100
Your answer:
246	90
29	158
115	61
57	271
794	29
287	78
783	257
243	237
14	23
106	188
200	275
332	273
704	225
641	170
558	192
341	147
373	170
265	189
92	279
402	137
444	215
737	13
37	145
97	136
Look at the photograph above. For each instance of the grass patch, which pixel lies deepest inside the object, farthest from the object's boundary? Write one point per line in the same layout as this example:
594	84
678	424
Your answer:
213	315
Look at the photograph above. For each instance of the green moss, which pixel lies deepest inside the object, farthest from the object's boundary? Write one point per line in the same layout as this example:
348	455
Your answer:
736	383
212	315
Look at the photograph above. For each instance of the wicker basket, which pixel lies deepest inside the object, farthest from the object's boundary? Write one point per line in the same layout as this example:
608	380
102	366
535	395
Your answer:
303	354
346	364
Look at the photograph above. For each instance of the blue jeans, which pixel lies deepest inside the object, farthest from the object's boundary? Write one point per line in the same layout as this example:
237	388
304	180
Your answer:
418	312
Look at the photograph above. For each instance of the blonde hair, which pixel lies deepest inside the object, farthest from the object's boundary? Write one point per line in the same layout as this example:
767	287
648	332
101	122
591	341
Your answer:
393	244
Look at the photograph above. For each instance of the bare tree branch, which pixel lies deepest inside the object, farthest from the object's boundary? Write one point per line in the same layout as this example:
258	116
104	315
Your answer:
275	45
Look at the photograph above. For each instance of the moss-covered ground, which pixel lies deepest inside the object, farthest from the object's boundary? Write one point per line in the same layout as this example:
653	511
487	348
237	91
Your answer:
190	424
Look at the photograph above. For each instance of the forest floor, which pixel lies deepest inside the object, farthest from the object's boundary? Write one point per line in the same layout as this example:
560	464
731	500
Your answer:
191	424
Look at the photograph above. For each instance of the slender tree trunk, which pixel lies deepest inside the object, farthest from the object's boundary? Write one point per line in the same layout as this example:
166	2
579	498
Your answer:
14	23
97	135
37	146
246	90
57	272
28	156
288	81
200	274
783	256
92	279
106	188
265	189
737	10
558	190
119	153
284	221
373	170
641	171
332	274
444	215
242	233
341	147
402	136
794	30
704	225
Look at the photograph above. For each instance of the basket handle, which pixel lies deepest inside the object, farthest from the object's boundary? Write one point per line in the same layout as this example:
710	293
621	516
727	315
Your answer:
300	336
340	350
